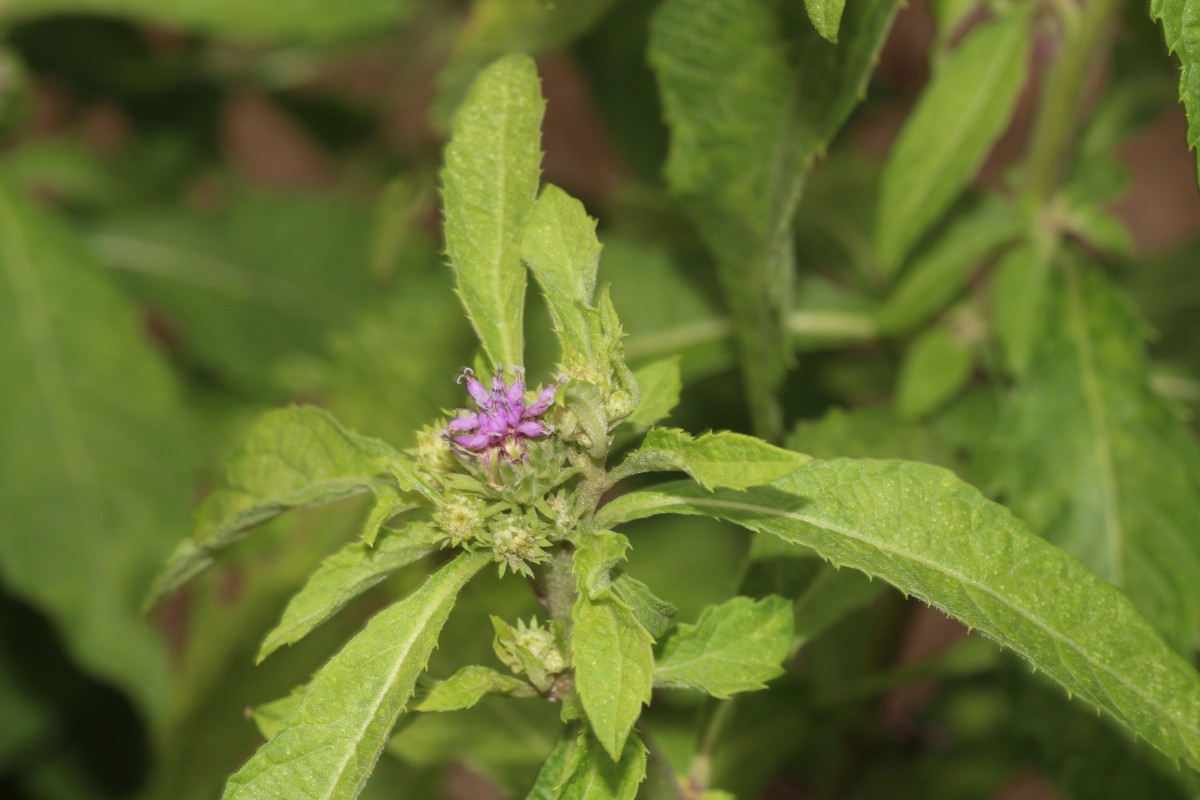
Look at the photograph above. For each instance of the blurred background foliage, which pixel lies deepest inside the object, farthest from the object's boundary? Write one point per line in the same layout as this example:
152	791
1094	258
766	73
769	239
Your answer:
212	207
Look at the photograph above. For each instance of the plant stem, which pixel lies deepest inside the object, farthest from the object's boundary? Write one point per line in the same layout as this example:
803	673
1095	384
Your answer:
700	773
559	584
1062	99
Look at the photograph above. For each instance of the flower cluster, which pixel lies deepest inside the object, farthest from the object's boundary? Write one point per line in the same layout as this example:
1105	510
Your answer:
503	421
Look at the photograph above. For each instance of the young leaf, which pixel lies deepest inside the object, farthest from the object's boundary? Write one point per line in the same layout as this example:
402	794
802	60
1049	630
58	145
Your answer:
935	368
597	553
469	685
489	184
1019	298
659	383
590	774
933	536
735	647
826	15
724	459
344	576
958	118
1178	18
553	771
614	667
293	458
326	746
389	501
94	451
939	273
1101	466
652	611
745	122
562	251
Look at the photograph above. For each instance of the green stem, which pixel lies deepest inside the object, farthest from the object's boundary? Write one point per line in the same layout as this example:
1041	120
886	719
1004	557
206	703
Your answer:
559	584
700	773
1062	99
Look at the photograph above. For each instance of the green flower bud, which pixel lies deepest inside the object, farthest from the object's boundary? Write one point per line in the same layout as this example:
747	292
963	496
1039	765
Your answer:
461	519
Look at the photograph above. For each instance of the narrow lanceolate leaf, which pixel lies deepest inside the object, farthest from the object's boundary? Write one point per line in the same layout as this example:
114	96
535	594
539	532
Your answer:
929	534
94	473
471	684
344	576
562	251
489	184
735	647
659	384
1020	291
1178	18
328	743
589	773
957	120
1100	465
749	105
826	15
725	459
614	667
935	368
293	458
939	274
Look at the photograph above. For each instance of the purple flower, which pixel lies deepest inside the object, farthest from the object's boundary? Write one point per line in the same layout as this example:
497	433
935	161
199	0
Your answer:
503	421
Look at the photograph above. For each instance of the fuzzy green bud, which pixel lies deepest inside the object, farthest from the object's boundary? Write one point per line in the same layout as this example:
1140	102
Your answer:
460	519
517	543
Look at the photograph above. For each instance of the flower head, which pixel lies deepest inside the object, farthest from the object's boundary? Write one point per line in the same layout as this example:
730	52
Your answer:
503	420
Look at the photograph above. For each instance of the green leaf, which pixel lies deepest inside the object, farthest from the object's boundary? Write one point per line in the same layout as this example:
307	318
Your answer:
746	120
933	536
489	186
869	433
659	383
293	458
344	576
723	459
614	667
1178	18
289	20
826	15
1100	465
939	273
94	451
596	554
469	685
326	746
562	251
735	647
654	613
831	595
589	774
389	501
1020	292
962	112
935	368
552	773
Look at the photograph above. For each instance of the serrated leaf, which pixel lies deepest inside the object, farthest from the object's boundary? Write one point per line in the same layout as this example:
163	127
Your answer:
722	459
469	685
936	366
1100	465
325	747
933	536
389	501
1178	18
553	770
659	384
1019	300
654	613
960	115
735	647
614	667
344	576
293	458
562	251
826	15
939	273
95	473
290	20
590	774
489	185
596	554
748	107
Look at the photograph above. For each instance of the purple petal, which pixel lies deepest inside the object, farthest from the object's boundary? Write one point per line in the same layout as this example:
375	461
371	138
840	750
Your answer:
467	422
474	441
516	392
475	389
543	402
531	428
492	425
